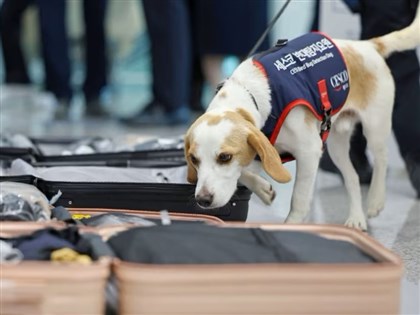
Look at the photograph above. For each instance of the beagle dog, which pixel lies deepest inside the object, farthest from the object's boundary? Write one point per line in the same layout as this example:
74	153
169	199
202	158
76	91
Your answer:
221	145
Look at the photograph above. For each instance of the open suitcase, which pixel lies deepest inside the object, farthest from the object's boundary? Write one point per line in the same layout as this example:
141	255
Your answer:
136	196
253	288
72	152
111	194
267	288
43	287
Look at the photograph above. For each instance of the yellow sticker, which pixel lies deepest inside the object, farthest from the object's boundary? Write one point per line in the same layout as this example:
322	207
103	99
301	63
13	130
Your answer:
79	216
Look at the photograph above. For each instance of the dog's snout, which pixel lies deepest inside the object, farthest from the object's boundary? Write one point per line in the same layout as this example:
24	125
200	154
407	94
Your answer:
205	200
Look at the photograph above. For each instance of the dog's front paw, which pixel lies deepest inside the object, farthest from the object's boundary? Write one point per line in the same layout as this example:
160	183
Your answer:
295	217
266	193
357	223
374	210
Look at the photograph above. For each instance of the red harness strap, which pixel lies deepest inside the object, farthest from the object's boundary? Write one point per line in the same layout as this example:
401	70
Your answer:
326	107
326	119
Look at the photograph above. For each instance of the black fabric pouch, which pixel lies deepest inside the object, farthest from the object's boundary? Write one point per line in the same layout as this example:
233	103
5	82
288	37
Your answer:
205	244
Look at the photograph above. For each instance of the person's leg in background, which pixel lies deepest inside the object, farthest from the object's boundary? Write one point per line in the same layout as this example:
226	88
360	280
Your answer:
170	38
95	55
224	29
406	124
55	51
11	13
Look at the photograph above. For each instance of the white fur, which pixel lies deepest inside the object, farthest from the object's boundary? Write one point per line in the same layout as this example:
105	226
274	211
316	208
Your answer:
301	139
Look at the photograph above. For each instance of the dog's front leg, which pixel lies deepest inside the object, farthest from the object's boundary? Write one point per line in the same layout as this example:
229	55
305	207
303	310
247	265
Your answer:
258	185
306	170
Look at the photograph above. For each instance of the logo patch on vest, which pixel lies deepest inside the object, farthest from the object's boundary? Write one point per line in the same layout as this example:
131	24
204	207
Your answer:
340	81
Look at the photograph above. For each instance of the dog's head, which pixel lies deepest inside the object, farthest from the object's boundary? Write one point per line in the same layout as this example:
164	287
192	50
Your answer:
218	147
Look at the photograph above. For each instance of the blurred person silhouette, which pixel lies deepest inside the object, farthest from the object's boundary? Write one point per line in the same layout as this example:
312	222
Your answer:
224	28
379	18
55	50
188	41
11	12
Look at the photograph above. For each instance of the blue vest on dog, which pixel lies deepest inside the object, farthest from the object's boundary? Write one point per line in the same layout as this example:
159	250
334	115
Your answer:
309	71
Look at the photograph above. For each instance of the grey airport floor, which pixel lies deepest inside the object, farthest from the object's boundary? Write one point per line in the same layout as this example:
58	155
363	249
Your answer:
397	227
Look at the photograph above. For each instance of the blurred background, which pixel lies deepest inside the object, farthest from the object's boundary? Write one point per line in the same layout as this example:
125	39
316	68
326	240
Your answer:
29	107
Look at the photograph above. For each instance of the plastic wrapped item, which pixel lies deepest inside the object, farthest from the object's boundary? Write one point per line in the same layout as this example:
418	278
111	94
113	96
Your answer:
91	146
8	254
116	219
22	202
16	141
161	144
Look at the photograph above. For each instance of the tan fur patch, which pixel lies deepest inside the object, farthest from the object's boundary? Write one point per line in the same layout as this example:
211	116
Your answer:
363	83
236	141
348	114
379	45
223	94
246	115
214	119
189	149
236	144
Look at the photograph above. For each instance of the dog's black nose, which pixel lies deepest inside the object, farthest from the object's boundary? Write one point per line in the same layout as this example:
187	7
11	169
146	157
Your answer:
205	201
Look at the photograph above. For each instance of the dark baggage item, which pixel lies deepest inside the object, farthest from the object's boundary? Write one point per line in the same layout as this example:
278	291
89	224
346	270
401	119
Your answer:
148	158
23	202
274	288
7	155
148	154
136	196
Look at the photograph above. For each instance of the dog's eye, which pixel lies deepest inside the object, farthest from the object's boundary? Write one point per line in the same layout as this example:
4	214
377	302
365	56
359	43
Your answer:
224	157
193	159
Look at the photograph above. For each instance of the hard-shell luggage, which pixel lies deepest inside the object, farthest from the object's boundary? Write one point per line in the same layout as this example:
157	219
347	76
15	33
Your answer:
344	288
44	287
248	288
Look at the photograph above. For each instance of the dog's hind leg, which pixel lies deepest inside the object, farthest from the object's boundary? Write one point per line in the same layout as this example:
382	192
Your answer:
338	148
376	137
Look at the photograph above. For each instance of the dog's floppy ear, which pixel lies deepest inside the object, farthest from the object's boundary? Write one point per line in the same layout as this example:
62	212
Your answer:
270	158
191	171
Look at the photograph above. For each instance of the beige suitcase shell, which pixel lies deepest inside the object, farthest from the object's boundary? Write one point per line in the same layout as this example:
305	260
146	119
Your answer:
31	288
267	288
38	287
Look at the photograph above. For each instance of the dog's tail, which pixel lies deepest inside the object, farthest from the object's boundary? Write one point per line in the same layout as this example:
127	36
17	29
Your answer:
405	39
